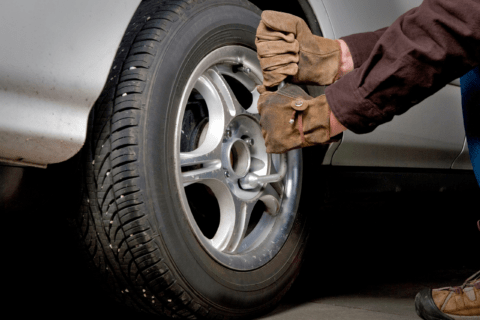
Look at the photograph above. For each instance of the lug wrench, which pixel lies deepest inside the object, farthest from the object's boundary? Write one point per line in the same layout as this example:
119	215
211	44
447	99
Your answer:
251	180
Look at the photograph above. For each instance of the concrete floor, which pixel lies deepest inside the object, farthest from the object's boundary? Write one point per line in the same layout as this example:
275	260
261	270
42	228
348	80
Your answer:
382	300
368	257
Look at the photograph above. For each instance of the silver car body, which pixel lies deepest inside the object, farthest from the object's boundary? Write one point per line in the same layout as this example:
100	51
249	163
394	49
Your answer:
54	61
56	55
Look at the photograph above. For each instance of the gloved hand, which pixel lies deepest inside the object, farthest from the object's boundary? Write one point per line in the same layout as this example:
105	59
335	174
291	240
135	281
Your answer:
287	47
292	119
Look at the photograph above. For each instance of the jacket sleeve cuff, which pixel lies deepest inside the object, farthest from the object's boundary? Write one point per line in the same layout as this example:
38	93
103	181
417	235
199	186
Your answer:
361	45
354	112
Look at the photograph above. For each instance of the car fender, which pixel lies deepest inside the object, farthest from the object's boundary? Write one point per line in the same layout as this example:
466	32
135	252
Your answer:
54	61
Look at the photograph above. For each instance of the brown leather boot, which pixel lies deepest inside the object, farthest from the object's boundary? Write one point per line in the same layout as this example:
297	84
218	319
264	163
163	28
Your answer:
292	119
287	47
451	303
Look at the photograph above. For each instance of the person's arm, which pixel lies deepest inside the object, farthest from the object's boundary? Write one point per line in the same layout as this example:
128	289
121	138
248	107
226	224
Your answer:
421	52
353	55
355	50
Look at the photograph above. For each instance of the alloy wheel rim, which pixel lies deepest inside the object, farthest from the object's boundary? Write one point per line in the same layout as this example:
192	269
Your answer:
230	146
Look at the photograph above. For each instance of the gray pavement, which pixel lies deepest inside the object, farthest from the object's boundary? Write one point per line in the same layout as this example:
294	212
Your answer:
331	311
382	301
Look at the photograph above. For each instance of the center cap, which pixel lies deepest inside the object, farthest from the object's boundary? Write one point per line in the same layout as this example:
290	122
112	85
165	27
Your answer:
237	158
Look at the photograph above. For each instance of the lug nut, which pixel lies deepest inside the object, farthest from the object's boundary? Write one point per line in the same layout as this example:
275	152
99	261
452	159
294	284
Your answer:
228	133
249	141
227	174
244	69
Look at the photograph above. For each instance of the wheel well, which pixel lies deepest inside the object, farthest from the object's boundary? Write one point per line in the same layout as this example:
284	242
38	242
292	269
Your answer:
300	8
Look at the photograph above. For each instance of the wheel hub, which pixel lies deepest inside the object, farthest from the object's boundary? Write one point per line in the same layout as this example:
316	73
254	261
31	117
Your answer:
240	155
238	159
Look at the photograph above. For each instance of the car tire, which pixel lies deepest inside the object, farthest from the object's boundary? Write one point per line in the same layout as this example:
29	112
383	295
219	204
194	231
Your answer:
164	219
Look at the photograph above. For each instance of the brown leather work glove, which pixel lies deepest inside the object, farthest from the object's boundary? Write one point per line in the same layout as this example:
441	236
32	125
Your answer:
292	119
287	47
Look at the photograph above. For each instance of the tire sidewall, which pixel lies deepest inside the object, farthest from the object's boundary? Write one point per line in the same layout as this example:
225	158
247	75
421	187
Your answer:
202	29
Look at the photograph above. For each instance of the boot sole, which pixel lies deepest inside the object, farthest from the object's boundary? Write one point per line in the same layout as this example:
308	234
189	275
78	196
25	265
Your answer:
426	308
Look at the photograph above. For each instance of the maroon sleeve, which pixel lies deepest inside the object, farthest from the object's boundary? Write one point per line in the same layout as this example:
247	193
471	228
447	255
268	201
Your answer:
420	53
362	44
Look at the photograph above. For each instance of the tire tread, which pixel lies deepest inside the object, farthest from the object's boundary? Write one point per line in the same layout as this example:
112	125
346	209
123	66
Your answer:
114	226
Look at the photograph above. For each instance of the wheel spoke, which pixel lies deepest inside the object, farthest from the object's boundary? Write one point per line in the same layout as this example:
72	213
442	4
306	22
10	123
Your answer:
213	171
243	212
233	225
201	164
231	105
200	156
218	115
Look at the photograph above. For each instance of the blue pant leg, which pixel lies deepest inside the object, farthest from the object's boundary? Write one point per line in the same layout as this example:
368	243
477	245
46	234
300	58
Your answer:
470	87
